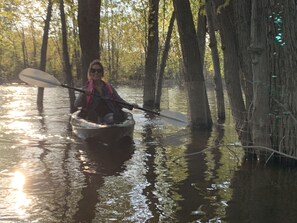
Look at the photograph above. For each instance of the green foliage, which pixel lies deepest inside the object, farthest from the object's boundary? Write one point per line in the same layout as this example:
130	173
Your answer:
123	37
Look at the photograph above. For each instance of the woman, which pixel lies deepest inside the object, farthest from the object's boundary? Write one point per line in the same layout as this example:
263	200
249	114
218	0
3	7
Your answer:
101	103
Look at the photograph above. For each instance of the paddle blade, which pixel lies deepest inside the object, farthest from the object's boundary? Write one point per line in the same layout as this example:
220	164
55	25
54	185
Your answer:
174	118
38	78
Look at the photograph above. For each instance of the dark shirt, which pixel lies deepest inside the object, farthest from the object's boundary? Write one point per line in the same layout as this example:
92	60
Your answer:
100	107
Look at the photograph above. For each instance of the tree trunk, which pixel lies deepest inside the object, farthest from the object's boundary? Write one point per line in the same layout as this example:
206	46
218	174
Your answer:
201	32
216	61
34	43
113	49
76	54
163	61
152	55
24	48
88	23
231	71
109	49
260	65
282	35
44	51
242	16
109	16
197	98
66	60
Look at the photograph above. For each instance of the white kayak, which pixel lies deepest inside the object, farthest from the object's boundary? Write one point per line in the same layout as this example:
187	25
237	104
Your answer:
105	133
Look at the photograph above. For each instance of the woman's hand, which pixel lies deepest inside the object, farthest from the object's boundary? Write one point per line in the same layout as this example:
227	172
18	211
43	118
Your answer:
134	105
131	106
88	92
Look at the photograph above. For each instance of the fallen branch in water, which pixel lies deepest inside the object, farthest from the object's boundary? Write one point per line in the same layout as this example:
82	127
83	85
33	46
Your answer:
244	147
271	150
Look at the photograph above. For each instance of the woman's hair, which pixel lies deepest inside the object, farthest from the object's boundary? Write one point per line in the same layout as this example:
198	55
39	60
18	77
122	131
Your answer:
96	61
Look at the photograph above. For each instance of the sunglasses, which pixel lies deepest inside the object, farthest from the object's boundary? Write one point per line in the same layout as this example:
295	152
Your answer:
96	70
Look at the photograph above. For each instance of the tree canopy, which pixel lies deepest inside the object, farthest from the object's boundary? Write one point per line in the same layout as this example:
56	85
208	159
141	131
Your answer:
123	37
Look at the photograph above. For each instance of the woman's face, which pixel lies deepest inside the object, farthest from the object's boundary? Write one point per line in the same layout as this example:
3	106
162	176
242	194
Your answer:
96	72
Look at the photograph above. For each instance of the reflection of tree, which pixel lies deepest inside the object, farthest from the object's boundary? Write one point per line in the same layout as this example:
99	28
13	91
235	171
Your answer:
150	141
162	172
192	188
217	175
178	188
209	175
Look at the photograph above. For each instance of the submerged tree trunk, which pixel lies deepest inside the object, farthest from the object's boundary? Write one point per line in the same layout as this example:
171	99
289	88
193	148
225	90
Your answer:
44	51
88	23
216	61
196	89
66	60
152	55
163	61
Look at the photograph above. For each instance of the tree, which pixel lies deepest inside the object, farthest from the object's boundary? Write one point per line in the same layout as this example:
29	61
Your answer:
231	69
196	89
242	16
89	24
274	34
259	49
43	52
66	60
267	56
201	31
163	61
216	60
152	55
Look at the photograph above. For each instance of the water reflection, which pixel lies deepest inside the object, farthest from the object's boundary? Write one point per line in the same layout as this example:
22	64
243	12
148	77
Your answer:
169	174
17	197
192	189
151	140
97	162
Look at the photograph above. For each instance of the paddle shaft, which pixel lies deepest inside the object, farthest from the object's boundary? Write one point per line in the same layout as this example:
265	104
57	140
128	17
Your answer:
42	79
114	100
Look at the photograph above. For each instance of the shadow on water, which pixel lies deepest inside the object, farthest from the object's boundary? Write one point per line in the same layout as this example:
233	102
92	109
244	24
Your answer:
263	194
97	162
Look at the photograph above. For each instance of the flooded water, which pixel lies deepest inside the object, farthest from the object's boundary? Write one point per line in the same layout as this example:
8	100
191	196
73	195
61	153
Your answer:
168	174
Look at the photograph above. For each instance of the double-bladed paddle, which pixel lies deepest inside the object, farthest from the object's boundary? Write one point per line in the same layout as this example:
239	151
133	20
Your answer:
42	79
